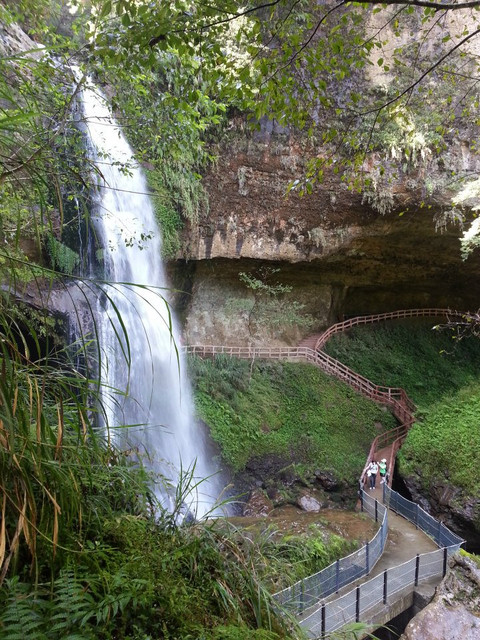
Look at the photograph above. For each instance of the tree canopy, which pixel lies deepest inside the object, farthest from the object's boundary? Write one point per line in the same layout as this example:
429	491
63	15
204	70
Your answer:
395	79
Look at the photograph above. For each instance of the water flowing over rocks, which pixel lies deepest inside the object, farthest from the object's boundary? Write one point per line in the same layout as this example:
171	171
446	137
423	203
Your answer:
13	39
454	613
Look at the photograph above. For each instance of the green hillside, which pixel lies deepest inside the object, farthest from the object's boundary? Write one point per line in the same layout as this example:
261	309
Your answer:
427	363
290	410
441	376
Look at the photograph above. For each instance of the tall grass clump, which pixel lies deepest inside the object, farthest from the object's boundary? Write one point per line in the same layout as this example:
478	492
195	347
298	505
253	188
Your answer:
86	552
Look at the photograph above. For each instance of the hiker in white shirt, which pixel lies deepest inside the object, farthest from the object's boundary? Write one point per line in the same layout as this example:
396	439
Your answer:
372	471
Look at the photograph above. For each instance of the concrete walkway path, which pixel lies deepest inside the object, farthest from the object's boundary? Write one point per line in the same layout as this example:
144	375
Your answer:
404	540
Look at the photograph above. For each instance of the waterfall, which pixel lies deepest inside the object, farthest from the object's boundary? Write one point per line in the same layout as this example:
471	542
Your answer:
147	402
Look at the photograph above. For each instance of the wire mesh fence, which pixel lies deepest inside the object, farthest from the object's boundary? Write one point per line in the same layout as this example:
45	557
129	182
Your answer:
313	591
421	519
307	592
361	602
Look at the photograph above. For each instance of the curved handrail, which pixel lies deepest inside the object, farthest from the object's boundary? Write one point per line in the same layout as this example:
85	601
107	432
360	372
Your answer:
403	408
380	317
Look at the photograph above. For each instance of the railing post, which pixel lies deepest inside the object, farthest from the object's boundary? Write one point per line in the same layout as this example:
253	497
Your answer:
385	592
376	510
357	606
361	499
439	532
324	630
417	569
416	515
302	596
337	576
367	559
445	556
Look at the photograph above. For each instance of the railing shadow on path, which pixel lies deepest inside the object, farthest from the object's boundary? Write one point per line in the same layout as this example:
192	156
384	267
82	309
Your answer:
331	614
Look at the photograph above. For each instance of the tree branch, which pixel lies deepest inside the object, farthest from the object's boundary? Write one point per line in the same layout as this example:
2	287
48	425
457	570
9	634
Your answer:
155	40
438	6
307	41
424	75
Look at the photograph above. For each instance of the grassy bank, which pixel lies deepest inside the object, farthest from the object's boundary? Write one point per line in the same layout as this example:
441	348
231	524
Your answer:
445	446
294	411
441	376
428	364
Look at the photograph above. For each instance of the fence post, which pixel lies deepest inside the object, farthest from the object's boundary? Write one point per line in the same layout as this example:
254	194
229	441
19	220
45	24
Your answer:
439	532
445	555
416	515
357	606
367	560
323	621
361	499
417	569
376	510
337	576
385	593
302	592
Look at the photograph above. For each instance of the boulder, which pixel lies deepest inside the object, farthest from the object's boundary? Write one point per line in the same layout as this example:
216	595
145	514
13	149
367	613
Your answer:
307	502
454	612
258	505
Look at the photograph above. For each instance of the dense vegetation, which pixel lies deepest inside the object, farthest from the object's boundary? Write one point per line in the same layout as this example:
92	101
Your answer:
445	446
441	376
294	411
82	554
427	363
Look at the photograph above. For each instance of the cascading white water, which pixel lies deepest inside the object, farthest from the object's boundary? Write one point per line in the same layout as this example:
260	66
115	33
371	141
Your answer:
156	405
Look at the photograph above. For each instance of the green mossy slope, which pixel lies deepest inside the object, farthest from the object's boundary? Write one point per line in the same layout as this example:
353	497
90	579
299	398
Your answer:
445	446
441	376
428	364
294	411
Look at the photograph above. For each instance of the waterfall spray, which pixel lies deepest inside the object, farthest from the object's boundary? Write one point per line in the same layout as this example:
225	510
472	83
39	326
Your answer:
146	396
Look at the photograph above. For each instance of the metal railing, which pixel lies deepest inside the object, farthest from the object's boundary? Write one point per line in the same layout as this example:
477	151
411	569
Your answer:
360	603
344	571
356	604
393	582
400	314
413	512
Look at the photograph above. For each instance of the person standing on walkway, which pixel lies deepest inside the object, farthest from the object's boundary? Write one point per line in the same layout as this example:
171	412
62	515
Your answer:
382	466
372	471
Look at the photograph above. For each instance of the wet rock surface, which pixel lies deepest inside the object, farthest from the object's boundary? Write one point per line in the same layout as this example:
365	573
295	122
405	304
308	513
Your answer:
337	251
459	511
454	613
279	480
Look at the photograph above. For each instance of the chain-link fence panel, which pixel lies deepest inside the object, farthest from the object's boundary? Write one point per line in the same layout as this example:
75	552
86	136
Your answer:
308	591
423	520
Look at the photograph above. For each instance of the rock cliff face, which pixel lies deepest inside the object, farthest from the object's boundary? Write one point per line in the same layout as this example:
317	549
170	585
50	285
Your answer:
340	255
452	505
454	613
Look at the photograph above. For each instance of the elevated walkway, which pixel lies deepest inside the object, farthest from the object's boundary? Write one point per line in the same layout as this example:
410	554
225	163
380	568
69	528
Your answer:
377	582
404	543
